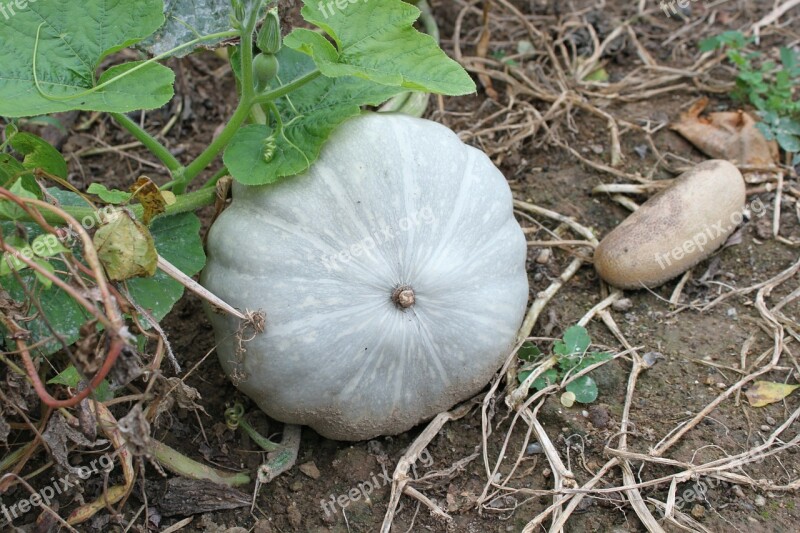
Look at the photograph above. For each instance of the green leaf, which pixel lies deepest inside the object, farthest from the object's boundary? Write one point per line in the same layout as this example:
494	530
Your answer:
576	341
177	240
73	39
11	263
788	59
376	40
44	280
309	115
11	210
39	154
788	141
529	352
111	196
70	377
48	245
707	45
10	170
549	377
584	388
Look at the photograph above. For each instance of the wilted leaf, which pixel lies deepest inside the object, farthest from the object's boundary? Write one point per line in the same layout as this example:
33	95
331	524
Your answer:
58	435
731	135
178	241
766	392
125	247
150	197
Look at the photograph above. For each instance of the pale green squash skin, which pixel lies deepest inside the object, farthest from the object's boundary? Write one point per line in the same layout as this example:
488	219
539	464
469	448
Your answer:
392	201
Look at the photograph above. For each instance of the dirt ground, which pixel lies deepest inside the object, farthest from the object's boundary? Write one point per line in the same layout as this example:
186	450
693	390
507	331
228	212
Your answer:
538	142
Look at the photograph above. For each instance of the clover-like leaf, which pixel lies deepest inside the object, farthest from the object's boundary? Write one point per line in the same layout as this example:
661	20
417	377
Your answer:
584	388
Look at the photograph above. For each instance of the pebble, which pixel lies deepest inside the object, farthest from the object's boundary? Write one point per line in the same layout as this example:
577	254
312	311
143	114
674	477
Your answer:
675	229
771	421
760	501
310	469
651	358
765	428
624	304
738	492
698	511
534	448
547	473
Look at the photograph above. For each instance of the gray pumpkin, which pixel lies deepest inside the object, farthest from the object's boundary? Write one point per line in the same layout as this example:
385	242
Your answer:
392	275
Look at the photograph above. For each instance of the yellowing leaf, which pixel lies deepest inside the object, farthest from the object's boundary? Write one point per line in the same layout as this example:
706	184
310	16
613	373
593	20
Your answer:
125	247
766	392
150	197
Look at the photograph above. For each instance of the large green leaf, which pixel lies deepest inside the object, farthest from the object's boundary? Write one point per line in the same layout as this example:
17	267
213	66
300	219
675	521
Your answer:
177	240
73	38
376	40
309	116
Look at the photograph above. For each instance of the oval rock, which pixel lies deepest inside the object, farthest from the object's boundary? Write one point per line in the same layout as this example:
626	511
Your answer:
675	229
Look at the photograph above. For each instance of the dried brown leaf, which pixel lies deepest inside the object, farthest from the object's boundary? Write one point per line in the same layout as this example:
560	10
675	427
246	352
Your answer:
730	135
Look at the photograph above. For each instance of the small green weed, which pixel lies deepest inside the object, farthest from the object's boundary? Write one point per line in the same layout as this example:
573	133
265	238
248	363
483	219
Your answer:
572	354
767	85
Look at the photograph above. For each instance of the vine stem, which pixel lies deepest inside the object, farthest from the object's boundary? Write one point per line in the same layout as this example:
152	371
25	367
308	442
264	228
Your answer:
150	142
183	203
239	116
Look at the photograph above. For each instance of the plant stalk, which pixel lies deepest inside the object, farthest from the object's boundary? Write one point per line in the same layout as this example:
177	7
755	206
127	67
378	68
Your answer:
150	142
